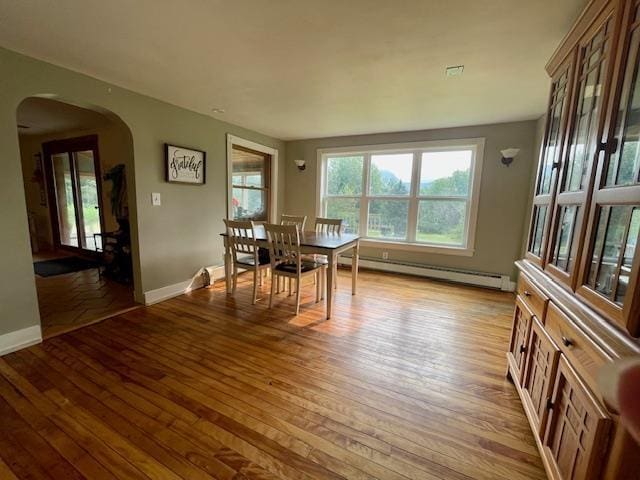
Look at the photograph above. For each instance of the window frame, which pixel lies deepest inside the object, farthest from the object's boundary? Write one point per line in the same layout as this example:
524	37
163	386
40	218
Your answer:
476	145
271	190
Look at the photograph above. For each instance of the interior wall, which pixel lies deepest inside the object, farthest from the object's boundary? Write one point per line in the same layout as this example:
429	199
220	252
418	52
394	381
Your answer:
114	147
503	194
175	239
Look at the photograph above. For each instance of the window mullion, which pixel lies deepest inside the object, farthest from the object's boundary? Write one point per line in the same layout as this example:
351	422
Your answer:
412	221
364	202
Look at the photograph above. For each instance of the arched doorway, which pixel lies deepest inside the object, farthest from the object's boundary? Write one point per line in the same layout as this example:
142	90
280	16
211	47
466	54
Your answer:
76	163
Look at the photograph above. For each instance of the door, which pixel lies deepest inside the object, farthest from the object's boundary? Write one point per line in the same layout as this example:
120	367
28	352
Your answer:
75	200
251	185
520	330
577	432
539	377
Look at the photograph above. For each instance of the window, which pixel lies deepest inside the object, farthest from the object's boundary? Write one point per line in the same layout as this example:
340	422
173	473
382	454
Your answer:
251	178
420	194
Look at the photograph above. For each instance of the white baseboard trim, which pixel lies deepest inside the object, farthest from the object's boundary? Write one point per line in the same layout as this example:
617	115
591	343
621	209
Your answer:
198	281
501	282
13	341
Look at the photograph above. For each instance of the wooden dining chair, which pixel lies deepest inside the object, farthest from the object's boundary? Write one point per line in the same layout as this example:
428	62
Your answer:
332	226
245	254
299	220
287	262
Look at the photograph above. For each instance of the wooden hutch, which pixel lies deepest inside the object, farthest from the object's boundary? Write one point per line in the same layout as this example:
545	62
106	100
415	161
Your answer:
578	303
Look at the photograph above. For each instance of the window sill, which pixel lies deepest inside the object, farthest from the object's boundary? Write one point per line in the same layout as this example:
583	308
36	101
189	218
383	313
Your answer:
417	247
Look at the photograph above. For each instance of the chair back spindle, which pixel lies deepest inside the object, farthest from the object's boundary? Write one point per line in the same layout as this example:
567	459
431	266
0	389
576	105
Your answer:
284	244
328	225
299	220
242	239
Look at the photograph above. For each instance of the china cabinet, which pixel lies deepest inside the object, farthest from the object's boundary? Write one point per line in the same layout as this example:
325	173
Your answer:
578	303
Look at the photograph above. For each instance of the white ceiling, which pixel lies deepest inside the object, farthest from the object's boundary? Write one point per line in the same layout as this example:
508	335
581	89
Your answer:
39	116
308	68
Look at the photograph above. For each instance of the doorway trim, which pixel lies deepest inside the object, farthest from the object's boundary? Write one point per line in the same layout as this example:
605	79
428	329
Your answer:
87	142
242	142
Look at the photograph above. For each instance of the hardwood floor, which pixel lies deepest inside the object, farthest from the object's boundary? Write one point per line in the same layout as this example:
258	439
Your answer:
406	381
77	299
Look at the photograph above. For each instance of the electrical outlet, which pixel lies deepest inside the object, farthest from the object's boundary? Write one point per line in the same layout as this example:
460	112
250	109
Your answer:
385	255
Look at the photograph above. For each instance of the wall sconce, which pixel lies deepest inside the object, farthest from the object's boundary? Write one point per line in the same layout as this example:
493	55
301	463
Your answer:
301	164
508	155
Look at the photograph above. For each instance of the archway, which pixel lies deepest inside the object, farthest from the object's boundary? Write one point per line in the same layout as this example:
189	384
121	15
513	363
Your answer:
77	164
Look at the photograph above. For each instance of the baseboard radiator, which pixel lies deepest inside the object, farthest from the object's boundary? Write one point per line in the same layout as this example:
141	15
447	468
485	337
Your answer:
480	279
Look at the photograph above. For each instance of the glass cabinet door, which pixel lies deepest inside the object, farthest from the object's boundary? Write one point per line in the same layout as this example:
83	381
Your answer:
610	275
549	160
575	176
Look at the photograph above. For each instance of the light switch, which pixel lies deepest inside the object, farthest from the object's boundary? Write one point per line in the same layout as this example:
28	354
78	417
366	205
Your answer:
155	199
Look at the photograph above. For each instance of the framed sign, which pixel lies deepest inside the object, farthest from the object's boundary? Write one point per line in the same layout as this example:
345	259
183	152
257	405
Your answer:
184	165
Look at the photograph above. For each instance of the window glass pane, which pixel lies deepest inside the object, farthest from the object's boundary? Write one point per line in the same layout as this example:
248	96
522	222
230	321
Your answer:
249	204
614	249
445	173
624	164
441	221
562	254
65	201
539	220
89	203
388	219
344	175
249	168
627	259
391	174
348	209
554	140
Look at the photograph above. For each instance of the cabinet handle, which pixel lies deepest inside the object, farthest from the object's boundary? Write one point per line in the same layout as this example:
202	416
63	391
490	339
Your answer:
567	341
527	293
549	403
523	349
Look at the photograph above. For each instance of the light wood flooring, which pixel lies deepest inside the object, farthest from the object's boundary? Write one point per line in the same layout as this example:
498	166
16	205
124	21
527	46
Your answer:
406	381
77	299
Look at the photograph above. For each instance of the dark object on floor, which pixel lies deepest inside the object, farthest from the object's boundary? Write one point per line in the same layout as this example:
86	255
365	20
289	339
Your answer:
60	266
116	253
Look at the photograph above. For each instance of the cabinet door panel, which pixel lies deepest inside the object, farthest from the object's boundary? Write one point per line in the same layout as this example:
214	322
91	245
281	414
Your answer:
557	112
611	267
586	121
577	432
539	377
519	339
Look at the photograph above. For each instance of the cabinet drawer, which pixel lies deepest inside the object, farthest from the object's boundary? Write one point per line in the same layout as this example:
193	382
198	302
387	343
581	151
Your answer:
584	355
533	297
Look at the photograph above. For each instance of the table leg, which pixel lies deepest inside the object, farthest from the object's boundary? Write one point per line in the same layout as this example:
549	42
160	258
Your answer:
330	271
227	266
354	267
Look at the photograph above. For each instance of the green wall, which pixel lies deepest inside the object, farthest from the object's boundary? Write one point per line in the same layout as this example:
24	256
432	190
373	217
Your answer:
503	193
175	239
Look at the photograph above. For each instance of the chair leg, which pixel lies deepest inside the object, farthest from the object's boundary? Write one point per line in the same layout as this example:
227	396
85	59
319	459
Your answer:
235	279
323	289
255	286
297	295
289	280
274	279
316	280
335	276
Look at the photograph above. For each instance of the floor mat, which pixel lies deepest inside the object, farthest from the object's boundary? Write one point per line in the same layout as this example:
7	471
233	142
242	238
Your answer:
60	266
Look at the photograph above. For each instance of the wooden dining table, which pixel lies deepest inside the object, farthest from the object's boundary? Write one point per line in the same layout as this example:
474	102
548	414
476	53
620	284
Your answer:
329	244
